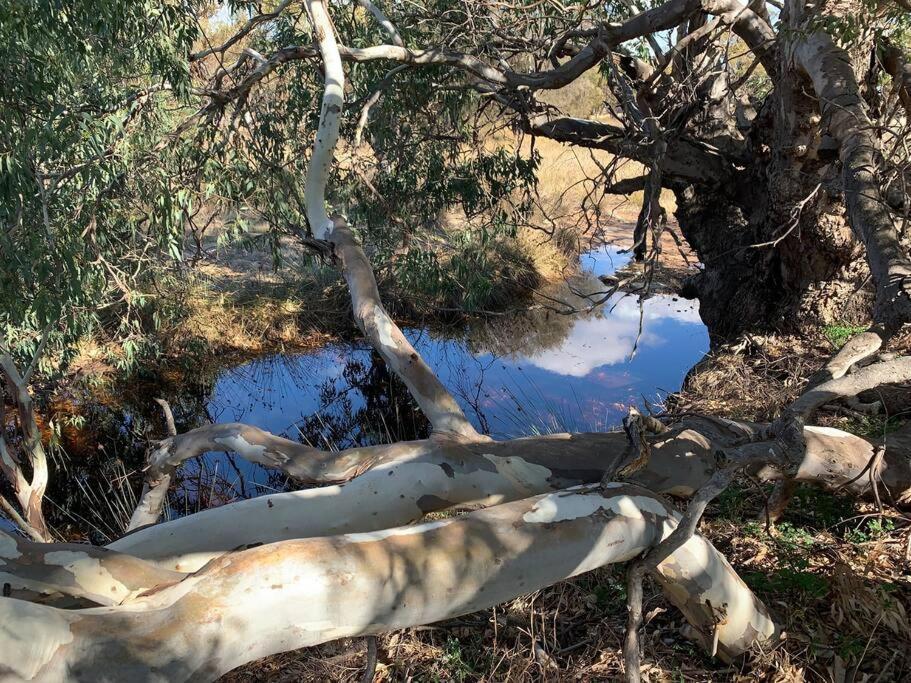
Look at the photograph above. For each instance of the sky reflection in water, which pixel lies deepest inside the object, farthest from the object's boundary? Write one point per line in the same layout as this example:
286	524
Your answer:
539	371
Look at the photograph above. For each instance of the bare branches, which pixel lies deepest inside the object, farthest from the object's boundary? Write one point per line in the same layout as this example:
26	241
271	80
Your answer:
251	24
731	461
606	37
383	21
684	160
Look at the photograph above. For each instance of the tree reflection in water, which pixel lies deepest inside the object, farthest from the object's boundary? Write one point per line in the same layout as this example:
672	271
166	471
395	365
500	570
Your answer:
529	372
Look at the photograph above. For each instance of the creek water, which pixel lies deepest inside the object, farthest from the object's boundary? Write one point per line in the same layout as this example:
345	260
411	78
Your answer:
531	372
526	372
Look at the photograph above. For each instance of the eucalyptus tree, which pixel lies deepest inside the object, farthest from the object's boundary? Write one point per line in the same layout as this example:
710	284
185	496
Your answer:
195	597
82	211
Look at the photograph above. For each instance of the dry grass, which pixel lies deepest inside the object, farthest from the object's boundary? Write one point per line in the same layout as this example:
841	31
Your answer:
752	379
570	182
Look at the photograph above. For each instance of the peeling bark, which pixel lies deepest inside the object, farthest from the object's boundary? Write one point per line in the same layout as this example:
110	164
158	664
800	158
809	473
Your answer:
408	480
845	112
300	593
74	570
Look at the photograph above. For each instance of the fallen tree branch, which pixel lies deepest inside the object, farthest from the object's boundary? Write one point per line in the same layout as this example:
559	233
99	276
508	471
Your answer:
434	400
362	584
870	377
74	570
403	482
458	474
685	530
855	350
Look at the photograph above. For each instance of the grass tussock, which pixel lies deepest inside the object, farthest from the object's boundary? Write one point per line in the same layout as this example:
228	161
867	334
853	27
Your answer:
753	378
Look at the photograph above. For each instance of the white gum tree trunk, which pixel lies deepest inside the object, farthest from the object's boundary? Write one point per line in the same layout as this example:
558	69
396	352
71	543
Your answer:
194	598
847	117
298	593
407	480
440	408
75	570
435	401
329	121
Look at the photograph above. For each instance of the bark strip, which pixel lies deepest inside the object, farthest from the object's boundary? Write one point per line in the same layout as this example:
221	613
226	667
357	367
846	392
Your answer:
845	111
75	570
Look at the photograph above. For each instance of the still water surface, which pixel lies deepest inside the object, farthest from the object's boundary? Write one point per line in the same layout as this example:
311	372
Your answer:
519	374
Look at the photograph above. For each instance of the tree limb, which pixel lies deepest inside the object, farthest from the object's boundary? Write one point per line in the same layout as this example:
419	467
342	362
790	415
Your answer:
844	109
362	584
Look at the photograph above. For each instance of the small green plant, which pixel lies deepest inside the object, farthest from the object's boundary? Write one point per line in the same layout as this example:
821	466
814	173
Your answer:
871	529
850	648
731	503
820	509
453	661
838	334
871	425
792	538
611	593
788	580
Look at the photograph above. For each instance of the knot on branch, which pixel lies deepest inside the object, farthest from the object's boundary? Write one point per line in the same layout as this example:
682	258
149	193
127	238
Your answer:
637	426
